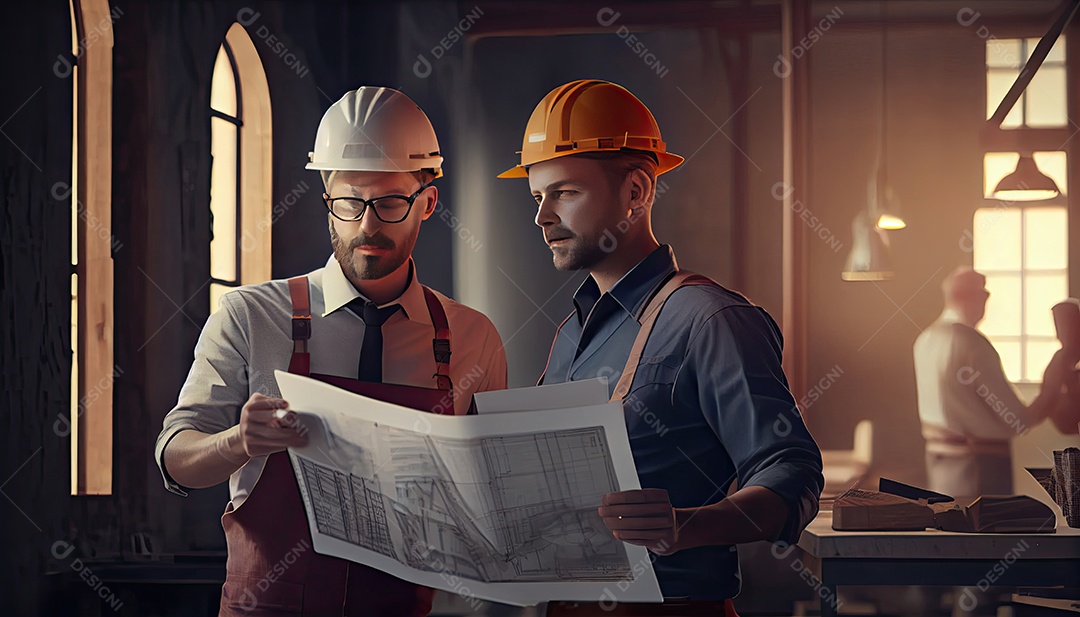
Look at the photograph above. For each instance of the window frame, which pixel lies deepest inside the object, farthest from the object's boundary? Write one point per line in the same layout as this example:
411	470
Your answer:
1025	138
93	368
1023	338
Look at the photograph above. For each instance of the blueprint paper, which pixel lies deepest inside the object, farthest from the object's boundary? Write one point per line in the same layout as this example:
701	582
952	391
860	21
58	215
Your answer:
499	506
551	396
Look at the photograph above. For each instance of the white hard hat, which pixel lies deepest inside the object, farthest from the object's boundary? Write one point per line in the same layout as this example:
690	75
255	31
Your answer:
375	129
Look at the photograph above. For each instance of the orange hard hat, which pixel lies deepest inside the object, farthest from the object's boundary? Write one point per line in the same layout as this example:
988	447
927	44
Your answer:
590	115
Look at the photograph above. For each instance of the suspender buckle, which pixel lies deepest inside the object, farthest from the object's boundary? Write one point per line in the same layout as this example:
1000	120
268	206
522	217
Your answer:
442	350
444	382
301	328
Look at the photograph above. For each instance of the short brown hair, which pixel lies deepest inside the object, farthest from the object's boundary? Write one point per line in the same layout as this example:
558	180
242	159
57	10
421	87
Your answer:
623	162
424	176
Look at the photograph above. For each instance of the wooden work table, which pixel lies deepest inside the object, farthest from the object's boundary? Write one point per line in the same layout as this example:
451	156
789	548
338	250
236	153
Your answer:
933	557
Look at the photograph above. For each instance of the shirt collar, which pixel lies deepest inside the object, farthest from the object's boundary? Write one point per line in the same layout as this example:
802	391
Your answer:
950	316
339	291
633	288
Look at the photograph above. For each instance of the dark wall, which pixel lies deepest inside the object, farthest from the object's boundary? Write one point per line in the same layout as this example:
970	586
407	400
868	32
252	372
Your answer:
35	288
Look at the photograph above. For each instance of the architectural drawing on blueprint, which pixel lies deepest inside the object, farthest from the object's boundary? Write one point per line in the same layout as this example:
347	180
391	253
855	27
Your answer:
509	508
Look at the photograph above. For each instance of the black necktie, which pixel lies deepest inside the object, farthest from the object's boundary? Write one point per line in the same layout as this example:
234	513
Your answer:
370	367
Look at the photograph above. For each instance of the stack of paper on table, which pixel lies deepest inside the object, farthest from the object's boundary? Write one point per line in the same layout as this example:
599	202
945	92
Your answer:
899	507
501	505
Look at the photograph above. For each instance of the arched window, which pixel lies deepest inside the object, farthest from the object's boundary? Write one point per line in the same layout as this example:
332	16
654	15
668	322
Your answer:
240	175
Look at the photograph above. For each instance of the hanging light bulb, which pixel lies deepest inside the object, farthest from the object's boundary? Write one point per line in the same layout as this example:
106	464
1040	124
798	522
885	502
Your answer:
1026	183
883	202
890	222
869	256
889	208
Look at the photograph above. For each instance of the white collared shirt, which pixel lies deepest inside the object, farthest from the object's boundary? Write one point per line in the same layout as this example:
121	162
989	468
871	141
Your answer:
961	384
250	336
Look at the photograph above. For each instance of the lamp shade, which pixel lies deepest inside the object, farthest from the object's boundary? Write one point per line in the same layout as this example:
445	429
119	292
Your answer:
1026	183
869	256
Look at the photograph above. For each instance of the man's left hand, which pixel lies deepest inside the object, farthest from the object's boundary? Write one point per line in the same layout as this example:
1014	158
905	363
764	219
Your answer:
643	517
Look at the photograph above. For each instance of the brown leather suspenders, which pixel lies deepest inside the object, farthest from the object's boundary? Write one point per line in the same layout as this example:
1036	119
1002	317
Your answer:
301	332
647	318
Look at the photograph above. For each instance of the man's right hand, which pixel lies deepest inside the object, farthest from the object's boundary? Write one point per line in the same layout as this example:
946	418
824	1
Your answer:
1059	372
262	430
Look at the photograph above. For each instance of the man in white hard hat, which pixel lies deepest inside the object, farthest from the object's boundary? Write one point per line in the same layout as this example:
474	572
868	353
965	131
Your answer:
696	366
969	410
378	154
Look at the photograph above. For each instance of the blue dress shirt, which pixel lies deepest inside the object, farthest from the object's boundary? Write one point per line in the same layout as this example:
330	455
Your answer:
709	404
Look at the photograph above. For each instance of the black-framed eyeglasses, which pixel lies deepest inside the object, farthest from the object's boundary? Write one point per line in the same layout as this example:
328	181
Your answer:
388	208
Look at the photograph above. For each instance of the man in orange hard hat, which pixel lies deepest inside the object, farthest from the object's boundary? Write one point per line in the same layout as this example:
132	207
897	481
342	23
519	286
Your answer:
696	366
378	154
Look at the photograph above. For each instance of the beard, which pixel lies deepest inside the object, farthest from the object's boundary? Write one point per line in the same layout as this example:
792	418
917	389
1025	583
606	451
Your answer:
578	253
360	267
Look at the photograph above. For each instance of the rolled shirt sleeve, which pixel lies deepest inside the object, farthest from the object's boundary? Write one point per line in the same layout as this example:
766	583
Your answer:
216	387
732	373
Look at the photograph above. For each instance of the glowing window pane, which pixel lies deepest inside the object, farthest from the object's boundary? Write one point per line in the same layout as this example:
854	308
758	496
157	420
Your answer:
1053	164
998	82
997	165
1042	291
1003	307
223	85
1037	356
1010	353
223	199
1057	52
1046	243
1003	53
216	291
1056	55
1045	98
997	239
